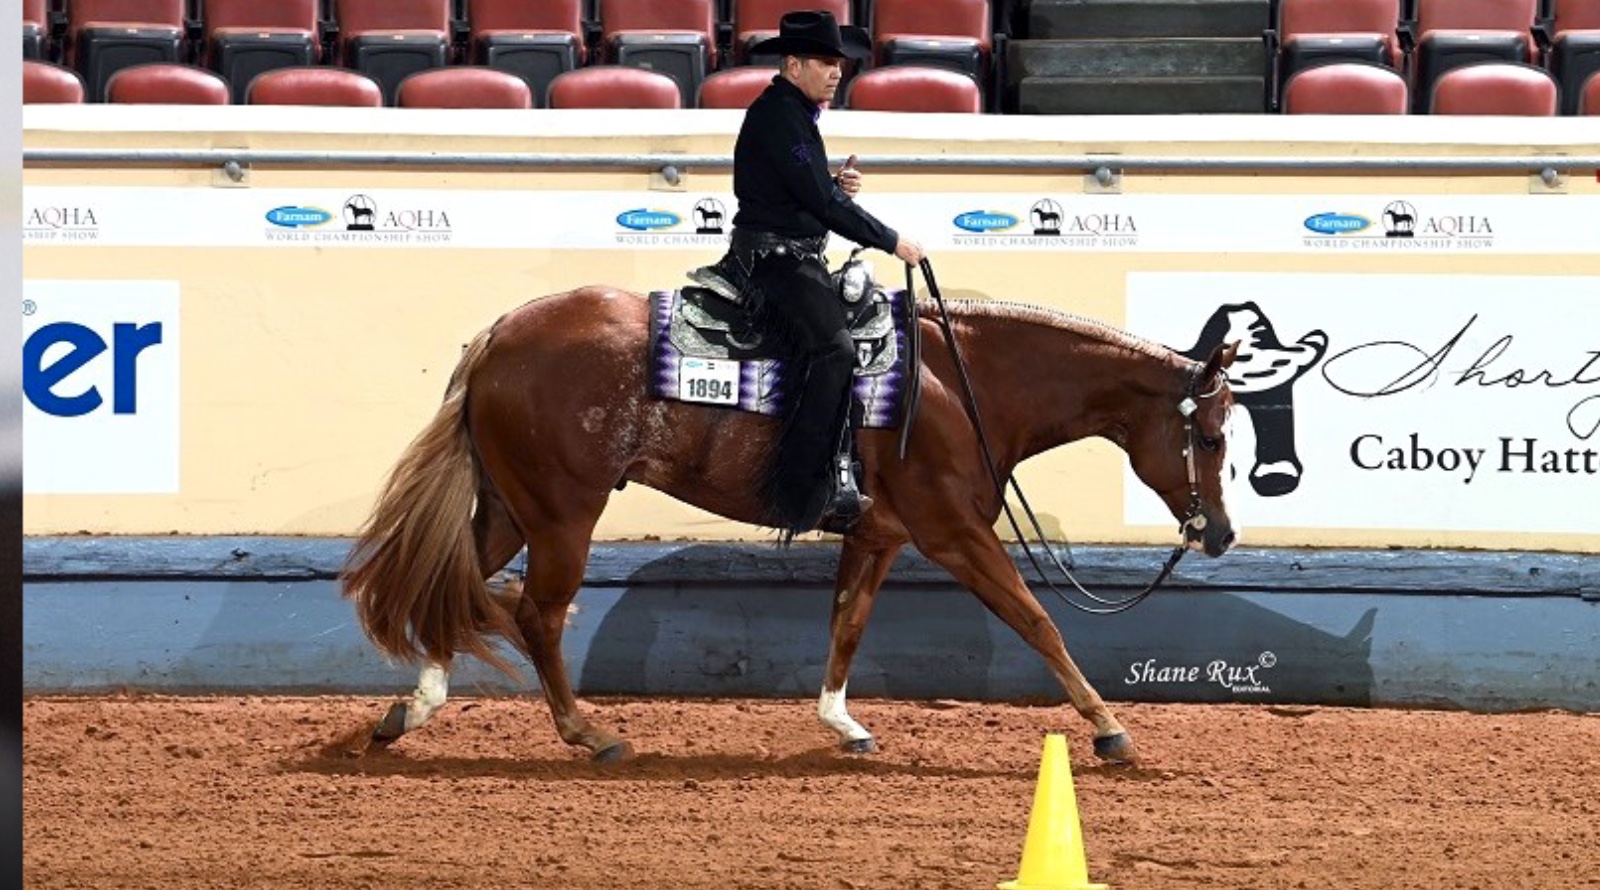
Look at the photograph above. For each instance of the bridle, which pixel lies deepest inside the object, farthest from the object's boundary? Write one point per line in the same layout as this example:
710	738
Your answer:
1192	527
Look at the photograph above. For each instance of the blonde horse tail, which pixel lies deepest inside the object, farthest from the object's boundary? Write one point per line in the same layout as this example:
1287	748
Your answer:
413	573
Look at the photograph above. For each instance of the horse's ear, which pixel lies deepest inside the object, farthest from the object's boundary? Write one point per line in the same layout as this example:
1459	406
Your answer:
1221	357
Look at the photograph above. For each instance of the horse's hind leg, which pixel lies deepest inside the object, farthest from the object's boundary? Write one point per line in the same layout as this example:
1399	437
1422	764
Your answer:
978	560
861	573
498	540
557	556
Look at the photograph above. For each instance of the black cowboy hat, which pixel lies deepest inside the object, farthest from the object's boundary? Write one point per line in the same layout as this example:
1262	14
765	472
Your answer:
815	33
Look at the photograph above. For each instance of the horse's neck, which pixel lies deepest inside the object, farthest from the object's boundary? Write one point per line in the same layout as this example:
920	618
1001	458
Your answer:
1046	386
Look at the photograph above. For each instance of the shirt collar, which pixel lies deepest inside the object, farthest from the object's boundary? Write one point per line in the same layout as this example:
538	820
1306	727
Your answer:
798	96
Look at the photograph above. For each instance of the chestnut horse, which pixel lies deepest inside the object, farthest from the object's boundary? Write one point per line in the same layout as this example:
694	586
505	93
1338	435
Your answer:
548	412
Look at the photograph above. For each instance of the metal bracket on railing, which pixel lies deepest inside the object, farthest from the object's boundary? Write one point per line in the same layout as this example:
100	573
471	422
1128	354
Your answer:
668	179
1103	181
1548	181
231	174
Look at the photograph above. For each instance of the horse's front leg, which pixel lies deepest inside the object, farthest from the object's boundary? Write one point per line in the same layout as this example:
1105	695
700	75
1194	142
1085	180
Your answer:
861	572
433	687
977	559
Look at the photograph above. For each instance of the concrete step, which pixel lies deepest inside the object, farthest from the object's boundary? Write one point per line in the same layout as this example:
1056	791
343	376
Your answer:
1152	57
1087	19
1140	95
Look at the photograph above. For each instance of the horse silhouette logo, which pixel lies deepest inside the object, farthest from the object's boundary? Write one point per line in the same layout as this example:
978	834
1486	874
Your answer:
360	212
708	216
1400	220
1262	378
1046	216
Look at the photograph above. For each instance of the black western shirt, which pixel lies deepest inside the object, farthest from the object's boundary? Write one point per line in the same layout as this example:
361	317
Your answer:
781	178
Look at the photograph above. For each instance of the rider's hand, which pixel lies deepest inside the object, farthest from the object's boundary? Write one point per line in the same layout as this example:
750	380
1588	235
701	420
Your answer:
849	178
909	252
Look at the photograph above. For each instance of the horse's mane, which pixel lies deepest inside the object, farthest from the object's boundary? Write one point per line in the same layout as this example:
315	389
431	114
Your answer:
1082	326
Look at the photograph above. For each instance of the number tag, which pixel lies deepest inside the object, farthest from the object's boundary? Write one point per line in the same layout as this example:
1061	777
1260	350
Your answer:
708	380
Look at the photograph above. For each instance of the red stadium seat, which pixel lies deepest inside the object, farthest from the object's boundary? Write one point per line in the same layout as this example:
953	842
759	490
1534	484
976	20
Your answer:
735	87
106	36
1496	88
675	37
614	86
1589	96
464	87
1346	88
914	88
1314	31
314	86
243	38
167	83
1575	48
953	33
756	20
391	39
46	83
1460	32
535	41
35	28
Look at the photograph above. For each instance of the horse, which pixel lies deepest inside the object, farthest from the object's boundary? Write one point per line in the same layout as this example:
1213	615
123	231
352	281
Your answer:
548	412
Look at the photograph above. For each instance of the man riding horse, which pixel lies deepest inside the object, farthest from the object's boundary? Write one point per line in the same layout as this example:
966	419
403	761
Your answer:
788	203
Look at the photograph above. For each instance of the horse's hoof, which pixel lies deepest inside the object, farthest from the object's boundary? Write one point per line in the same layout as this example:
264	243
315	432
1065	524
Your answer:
392	726
616	752
859	746
1116	748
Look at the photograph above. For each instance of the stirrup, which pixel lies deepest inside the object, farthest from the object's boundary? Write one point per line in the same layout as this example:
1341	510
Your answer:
712	280
848	502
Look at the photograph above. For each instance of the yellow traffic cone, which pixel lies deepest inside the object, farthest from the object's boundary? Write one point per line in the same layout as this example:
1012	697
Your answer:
1052	855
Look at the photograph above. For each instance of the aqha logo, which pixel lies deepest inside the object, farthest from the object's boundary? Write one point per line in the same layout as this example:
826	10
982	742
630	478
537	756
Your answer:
61	218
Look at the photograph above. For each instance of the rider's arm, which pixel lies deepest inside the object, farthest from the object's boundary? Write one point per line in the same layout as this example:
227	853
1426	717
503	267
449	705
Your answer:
796	153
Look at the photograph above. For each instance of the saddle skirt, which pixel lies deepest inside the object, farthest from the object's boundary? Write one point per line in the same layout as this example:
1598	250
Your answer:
704	350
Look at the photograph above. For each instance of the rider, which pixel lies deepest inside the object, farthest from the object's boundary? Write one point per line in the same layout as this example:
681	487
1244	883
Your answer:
788	203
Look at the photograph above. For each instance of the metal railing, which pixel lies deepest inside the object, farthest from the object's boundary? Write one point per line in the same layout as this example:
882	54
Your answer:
1104	168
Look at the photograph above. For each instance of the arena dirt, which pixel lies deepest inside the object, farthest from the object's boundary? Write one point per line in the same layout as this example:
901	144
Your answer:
176	793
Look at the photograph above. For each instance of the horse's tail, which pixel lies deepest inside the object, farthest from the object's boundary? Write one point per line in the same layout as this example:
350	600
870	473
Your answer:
413	572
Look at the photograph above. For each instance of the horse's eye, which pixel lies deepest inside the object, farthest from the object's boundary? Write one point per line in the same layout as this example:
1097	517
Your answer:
1210	443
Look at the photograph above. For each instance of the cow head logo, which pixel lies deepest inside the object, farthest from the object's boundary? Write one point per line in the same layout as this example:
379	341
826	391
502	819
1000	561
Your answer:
1262	378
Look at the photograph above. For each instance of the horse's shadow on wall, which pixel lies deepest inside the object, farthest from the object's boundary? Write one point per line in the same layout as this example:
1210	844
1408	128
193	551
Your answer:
933	639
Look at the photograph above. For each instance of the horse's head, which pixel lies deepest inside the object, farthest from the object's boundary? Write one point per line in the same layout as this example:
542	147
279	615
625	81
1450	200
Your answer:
1180	451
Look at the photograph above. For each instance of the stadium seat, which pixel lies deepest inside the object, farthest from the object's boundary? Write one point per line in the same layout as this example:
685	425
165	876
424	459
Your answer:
1575	49
106	36
535	41
614	86
1460	32
243	38
391	39
914	88
314	85
35	28
1346	88
464	86
952	33
46	83
1314	31
674	37
756	20
1589	95
167	83
735	87
1496	88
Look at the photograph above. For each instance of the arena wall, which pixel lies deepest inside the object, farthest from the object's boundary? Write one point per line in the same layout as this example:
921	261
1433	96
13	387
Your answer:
1432	282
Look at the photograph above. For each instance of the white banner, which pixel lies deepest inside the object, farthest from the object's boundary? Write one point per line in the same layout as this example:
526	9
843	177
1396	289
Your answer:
1467	403
100	386
438	218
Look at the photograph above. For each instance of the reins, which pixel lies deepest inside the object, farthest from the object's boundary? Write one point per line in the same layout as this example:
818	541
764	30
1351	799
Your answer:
1106	606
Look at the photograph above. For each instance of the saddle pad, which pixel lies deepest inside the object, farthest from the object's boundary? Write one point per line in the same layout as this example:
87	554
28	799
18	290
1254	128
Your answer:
699	353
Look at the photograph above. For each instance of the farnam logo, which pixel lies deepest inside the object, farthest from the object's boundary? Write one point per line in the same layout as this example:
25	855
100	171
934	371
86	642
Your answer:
642	220
1049	225
704	223
1399	227
366	221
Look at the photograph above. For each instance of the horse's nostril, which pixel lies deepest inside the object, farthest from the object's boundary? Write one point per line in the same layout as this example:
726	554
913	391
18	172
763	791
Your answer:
1228	539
